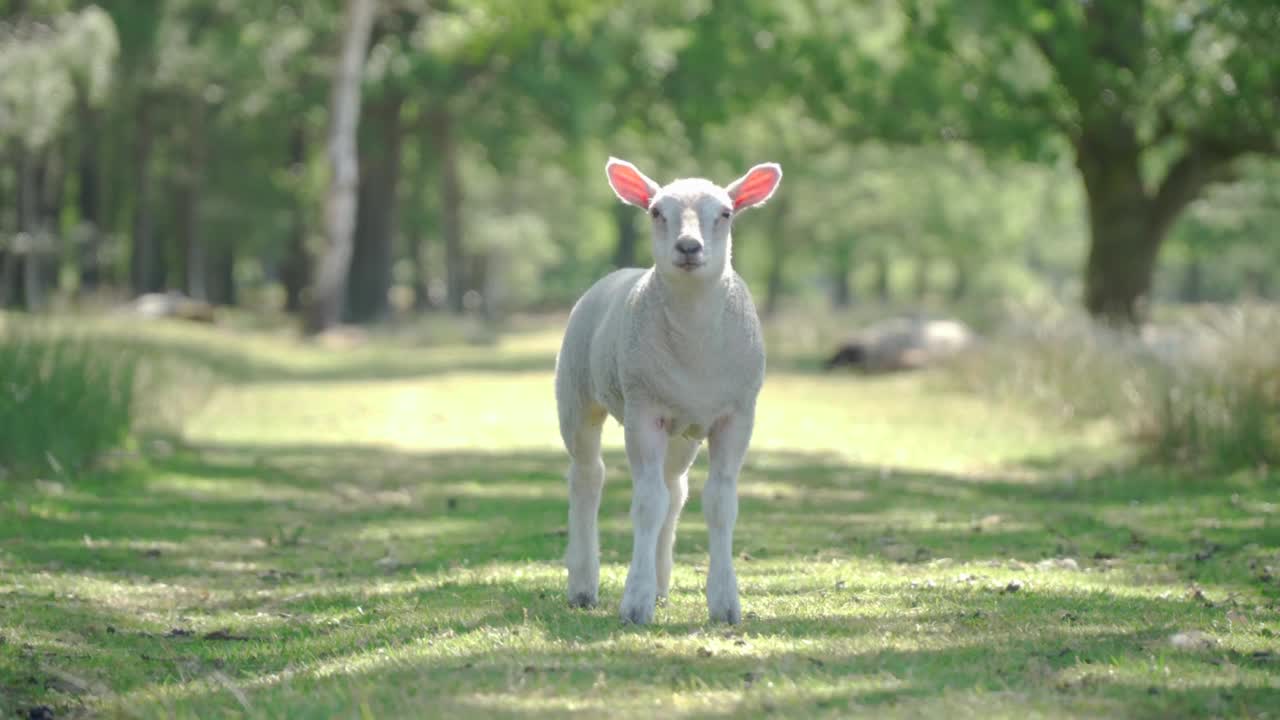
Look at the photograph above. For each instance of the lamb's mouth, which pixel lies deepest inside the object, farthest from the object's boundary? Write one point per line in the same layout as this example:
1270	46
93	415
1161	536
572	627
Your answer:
689	266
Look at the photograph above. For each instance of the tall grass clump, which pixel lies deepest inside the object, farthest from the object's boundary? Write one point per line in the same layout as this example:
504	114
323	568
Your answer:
63	401
1200	389
1221	404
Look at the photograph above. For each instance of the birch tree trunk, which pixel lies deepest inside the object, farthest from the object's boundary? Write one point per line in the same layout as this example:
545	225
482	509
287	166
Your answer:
340	205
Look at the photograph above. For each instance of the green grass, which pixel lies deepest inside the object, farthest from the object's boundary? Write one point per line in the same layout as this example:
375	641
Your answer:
63	401
1198	390
377	532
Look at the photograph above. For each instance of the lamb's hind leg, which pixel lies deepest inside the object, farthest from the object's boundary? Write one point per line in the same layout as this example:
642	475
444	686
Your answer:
586	481
681	453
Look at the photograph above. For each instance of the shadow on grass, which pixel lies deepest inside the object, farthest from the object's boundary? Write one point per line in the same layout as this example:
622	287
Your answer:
330	553
230	504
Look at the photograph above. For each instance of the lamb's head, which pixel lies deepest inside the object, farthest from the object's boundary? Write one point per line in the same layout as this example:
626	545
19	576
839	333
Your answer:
692	218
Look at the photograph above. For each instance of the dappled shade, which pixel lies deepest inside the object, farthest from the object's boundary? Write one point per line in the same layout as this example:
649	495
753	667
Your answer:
890	556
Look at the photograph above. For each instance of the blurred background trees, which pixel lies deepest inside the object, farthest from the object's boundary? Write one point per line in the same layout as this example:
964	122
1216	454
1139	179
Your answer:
937	152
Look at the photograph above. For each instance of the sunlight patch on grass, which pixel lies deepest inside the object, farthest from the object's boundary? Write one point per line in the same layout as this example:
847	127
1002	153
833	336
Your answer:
765	490
514	491
418	529
200	489
849	420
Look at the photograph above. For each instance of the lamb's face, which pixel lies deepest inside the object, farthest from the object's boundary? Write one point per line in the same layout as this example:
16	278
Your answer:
691	218
691	221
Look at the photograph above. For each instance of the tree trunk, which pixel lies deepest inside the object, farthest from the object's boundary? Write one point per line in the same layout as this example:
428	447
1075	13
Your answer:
33	277
773	285
21	250
1193	279
960	285
9	271
778	253
445	143
46	263
15	275
921	289
1260	283
295	271
10	261
89	198
1118	271
418	251
340	206
842	265
146	273
191	189
478	281
1122	246
369	280
624	219
1127	223
221	287
883	284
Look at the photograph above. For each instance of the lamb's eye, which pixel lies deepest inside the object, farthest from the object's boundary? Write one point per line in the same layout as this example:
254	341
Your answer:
725	214
655	213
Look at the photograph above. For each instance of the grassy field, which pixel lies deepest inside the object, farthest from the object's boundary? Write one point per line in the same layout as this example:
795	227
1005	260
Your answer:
377	532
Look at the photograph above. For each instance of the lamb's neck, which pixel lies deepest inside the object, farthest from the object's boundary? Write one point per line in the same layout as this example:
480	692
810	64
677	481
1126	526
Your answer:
694	307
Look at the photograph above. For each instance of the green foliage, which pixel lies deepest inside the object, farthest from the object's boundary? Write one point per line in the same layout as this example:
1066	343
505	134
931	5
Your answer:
49	64
1015	73
1154	102
63	402
905	127
1226	244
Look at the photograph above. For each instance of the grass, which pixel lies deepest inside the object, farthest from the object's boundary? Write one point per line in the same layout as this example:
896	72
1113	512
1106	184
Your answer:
1197	389
63	402
377	532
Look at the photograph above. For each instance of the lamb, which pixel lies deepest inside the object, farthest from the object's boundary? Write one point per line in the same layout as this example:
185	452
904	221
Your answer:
676	354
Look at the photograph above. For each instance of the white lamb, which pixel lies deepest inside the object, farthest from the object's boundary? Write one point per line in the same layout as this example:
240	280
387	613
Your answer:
675	353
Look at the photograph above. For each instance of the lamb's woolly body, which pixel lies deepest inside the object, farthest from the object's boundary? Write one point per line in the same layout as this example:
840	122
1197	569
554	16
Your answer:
674	353
631	336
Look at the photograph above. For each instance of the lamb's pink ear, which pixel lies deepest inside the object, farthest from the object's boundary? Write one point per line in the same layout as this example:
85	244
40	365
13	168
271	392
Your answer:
756	186
630	185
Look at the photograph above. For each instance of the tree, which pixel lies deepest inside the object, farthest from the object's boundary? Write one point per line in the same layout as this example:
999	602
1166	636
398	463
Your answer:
340	205
484	63
1154	99
56	68
369	278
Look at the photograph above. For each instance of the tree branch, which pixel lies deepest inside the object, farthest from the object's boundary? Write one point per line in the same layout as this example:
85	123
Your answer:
1201	165
1072	76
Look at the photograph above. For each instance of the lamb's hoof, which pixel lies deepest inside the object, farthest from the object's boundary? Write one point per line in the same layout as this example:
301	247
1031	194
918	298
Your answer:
638	607
724	606
584	600
731	615
637	615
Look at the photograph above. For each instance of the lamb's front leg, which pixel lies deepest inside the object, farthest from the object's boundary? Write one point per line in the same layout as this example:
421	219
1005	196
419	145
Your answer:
646	439
728	447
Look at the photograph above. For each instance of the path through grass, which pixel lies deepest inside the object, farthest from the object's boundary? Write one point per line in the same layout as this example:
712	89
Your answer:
378	533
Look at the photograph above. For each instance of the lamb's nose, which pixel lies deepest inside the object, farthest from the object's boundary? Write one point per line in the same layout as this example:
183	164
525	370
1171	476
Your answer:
689	246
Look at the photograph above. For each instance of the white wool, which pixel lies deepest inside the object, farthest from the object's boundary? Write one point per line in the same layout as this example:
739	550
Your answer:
675	353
